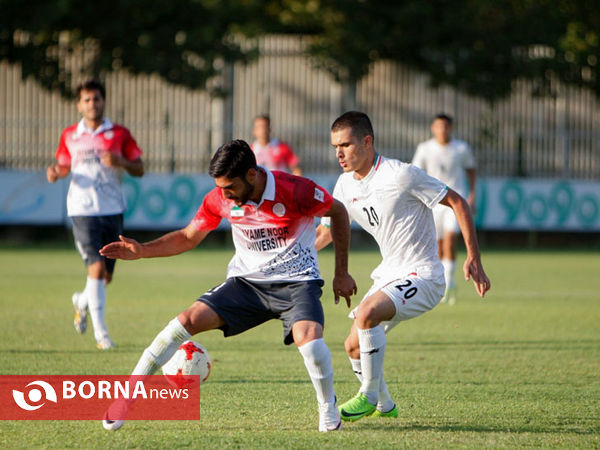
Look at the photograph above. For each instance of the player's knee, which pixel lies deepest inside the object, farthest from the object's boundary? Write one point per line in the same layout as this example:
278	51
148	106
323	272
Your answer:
306	331
108	277
366	316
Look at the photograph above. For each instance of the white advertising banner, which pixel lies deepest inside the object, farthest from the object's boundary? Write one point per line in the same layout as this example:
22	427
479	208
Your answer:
169	201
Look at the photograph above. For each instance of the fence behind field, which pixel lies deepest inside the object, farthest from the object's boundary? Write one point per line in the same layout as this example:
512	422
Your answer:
179	129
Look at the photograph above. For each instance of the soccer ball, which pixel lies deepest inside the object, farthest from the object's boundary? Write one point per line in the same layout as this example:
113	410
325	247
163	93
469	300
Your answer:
190	358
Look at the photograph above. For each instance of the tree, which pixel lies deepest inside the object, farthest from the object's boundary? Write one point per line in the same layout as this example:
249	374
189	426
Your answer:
477	46
184	41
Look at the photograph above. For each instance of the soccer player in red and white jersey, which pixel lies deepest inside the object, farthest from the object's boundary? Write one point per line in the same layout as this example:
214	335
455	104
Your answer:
274	273
95	152
272	153
392	201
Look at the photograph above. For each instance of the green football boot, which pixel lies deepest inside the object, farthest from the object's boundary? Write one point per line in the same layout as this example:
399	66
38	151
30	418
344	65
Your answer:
356	408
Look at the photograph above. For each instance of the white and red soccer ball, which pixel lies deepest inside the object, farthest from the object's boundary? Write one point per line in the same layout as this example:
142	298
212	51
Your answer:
189	361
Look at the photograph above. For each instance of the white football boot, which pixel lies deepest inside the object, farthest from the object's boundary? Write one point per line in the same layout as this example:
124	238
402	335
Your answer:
80	321
329	417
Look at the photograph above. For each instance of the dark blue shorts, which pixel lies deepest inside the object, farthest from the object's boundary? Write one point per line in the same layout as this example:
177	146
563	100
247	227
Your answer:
94	232
244	305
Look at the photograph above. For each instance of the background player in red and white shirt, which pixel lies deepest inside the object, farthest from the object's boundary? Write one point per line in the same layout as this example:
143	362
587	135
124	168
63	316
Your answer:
392	201
274	273
451	161
272	153
95	152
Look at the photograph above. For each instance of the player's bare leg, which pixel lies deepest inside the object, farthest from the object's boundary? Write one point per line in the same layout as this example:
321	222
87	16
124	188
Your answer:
308	336
371	339
197	318
447	253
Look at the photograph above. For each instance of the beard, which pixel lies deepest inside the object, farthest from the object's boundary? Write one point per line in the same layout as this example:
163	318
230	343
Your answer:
245	195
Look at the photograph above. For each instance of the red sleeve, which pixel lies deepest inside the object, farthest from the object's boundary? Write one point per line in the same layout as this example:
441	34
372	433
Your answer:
63	155
208	215
312	199
130	149
290	157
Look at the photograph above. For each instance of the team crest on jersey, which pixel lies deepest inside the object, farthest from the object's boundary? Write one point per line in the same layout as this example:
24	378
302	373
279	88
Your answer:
319	195
278	209
109	134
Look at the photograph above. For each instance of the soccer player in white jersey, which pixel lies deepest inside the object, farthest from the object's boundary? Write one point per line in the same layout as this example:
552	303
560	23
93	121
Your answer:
451	161
274	273
392	201
96	152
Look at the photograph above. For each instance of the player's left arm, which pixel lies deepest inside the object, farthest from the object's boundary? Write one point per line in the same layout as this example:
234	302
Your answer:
339	232
472	267
471	178
134	168
323	238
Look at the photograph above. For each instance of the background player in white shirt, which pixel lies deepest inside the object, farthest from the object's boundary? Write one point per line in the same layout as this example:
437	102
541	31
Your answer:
274	273
451	161
392	201
95	152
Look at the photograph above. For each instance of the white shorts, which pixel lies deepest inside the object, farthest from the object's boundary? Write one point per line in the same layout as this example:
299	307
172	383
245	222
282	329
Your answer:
445	221
412	296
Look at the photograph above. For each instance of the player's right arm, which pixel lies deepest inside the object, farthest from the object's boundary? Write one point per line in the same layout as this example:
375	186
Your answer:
170	244
62	167
56	171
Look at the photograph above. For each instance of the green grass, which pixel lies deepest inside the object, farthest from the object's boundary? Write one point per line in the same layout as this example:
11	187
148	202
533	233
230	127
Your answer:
519	369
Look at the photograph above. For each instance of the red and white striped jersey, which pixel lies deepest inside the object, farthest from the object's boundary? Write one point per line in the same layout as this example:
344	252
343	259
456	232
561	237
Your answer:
95	189
274	239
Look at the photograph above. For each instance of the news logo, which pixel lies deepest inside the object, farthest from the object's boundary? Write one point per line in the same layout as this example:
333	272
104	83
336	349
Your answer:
79	397
34	396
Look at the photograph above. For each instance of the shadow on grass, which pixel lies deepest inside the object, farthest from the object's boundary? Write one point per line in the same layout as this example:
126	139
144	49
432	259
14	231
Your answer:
555	344
514	428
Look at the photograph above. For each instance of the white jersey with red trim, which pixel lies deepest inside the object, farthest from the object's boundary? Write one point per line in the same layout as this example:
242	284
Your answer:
95	189
275	239
393	203
448	163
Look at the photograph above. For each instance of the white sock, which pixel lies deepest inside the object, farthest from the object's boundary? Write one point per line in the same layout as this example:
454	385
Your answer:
372	351
163	346
95	293
317	360
356	368
385	402
449	266
82	299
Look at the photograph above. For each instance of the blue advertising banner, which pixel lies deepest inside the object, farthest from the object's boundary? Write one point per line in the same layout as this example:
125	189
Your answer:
168	201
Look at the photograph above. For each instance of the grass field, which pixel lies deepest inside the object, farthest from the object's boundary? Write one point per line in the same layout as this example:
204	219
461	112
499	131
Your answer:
519	369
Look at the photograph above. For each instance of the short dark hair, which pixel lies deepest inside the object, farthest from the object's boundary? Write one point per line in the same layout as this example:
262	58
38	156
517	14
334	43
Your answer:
442	116
357	121
90	85
263	117
232	160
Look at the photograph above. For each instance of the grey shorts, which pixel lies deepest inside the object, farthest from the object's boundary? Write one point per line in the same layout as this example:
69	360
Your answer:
94	232
244	305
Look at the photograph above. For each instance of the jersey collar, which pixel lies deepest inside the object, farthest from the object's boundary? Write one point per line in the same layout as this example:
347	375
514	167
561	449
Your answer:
376	164
269	192
81	128
376	161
